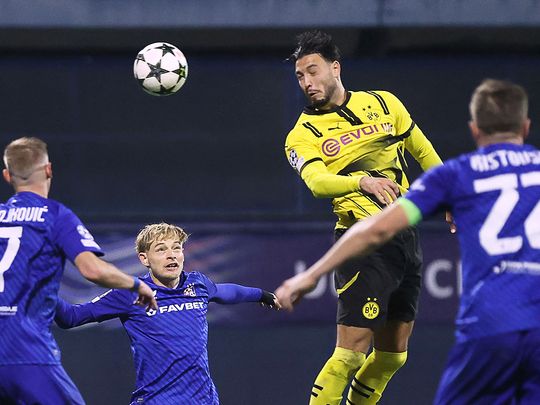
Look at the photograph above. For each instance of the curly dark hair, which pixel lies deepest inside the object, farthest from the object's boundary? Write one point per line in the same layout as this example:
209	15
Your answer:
315	41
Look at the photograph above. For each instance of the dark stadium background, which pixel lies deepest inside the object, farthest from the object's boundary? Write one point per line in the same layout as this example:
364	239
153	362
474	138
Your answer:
212	155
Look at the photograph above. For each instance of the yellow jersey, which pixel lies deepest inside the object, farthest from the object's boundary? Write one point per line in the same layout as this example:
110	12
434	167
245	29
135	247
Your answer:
365	136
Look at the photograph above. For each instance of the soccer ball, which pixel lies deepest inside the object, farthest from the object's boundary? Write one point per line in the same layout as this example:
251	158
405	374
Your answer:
161	69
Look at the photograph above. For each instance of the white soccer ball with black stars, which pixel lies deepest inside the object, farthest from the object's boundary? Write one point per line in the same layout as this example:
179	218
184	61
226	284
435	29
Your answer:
161	69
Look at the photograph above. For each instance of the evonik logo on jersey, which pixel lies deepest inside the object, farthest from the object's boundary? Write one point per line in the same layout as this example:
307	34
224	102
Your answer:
184	306
332	146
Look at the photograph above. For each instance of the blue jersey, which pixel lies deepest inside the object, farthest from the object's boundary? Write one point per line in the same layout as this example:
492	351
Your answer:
168	344
494	196
36	236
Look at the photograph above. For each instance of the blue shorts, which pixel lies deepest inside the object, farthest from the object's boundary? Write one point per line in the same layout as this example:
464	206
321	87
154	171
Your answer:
495	370
37	384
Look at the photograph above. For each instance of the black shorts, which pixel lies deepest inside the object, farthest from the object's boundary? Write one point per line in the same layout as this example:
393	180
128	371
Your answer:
384	285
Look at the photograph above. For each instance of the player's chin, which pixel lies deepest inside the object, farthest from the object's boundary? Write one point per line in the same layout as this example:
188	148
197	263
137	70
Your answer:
318	101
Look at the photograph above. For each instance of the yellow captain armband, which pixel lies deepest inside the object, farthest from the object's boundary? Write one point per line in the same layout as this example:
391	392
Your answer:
411	210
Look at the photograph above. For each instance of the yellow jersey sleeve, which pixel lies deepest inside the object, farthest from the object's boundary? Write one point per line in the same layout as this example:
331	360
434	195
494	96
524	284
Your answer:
305	159
327	185
416	143
422	150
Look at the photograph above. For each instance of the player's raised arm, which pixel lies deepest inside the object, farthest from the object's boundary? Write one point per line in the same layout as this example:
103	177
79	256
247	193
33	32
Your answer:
107	275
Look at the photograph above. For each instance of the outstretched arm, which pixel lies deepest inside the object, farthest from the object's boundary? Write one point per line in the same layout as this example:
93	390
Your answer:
112	304
68	315
107	275
228	293
360	239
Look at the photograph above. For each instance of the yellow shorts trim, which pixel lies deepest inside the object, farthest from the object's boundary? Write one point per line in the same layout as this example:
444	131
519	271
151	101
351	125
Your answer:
348	284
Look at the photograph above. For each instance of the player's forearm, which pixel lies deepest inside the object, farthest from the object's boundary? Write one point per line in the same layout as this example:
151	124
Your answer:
327	185
422	150
361	239
100	272
228	293
69	316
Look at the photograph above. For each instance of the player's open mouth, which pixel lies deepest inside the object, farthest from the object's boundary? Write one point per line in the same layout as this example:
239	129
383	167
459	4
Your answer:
172	266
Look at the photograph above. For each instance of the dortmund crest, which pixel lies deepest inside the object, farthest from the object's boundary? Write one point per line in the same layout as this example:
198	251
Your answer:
371	309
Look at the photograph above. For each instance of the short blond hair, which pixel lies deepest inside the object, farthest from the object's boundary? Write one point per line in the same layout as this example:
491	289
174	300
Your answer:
23	155
158	232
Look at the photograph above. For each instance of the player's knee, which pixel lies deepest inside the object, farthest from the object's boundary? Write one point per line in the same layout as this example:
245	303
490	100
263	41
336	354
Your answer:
347	360
390	362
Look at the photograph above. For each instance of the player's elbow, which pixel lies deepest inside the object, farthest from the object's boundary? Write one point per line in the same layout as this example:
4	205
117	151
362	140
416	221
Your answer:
318	193
92	273
317	187
90	267
378	235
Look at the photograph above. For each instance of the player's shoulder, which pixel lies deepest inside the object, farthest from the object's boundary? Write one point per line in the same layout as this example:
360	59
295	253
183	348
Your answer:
300	124
197	284
196	277
306	130
462	160
57	208
366	94
448	172
387	101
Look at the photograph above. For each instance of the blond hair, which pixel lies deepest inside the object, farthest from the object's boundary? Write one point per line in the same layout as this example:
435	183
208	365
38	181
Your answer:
24	155
158	232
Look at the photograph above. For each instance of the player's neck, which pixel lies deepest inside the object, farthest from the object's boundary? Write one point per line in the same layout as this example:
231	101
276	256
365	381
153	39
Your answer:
39	189
502	137
338	98
166	283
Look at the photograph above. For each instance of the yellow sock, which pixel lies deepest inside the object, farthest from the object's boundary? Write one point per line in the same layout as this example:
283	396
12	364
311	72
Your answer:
335	376
370	381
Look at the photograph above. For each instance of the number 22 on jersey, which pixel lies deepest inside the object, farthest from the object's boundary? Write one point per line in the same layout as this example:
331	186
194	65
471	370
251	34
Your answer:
502	210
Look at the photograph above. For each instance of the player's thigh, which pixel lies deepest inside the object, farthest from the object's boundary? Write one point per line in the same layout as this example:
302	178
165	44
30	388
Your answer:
393	336
379	292
529	392
364	286
37	384
354	338
481	372
403	302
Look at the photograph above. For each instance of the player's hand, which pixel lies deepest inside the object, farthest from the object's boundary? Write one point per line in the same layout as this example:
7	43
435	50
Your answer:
146	297
269	300
450	222
293	289
385	190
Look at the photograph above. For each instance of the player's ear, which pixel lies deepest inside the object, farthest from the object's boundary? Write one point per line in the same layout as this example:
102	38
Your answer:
526	127
336	69
144	259
7	176
475	131
48	170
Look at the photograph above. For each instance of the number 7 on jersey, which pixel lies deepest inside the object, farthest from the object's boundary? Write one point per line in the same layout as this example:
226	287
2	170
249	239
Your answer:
13	235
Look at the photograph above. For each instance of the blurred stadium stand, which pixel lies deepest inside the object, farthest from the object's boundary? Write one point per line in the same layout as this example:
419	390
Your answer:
212	155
